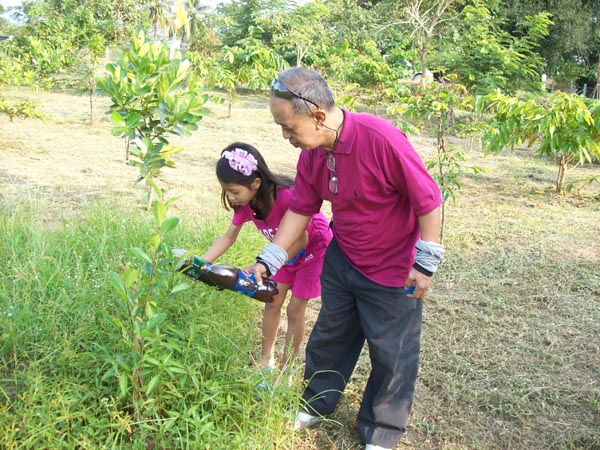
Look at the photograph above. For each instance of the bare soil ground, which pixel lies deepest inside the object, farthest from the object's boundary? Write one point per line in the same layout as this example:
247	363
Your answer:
521	242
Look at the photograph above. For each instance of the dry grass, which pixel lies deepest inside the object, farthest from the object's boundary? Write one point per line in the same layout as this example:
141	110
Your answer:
511	355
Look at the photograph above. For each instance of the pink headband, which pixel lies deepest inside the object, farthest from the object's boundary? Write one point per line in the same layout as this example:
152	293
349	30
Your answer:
241	161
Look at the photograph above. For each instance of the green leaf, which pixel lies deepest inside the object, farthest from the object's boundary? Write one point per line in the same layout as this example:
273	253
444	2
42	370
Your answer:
159	210
152	384
130	276
144	49
123	385
156	320
141	253
122	363
180	287
172	199
151	309
117	119
182	70
156	189
154	241
133	119
117	283
117	322
153	361
169	225
110	373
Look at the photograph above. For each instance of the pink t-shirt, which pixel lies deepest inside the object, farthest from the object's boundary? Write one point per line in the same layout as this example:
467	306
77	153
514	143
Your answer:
318	230
383	186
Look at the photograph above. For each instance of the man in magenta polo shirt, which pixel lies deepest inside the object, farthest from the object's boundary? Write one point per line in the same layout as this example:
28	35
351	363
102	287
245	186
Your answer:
378	267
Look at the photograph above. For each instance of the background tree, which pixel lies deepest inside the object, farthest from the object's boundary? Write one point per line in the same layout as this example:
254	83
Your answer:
49	40
86	70
486	57
426	18
250	64
200	34
298	33
160	17
121	18
348	23
240	18
572	47
433	107
56	32
366	74
565	126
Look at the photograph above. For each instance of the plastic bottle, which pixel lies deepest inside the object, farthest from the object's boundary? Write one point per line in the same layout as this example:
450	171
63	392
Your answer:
225	276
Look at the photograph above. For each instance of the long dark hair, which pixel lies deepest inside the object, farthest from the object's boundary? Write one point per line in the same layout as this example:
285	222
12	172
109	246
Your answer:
267	191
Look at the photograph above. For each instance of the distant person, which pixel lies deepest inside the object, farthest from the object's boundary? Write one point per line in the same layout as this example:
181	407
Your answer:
386	229
256	195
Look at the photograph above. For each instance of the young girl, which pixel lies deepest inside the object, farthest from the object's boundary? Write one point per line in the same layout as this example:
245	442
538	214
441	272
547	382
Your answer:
255	194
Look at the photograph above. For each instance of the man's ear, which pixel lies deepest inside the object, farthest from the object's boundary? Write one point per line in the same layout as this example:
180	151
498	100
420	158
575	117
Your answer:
320	116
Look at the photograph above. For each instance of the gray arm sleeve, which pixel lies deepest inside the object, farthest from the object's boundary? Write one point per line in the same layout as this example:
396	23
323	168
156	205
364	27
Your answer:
429	255
273	256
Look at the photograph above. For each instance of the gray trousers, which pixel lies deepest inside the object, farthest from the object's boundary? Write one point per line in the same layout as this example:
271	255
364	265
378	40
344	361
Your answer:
354	309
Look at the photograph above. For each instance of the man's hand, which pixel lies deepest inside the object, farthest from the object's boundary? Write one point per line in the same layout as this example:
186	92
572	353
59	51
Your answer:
420	281
291	236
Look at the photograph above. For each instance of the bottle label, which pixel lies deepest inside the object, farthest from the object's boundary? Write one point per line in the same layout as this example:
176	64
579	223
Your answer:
197	268
246	283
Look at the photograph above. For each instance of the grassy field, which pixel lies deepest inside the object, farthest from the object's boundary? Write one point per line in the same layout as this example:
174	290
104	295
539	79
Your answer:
510	356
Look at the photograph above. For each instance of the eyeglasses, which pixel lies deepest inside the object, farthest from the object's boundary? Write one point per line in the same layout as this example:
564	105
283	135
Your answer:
282	91
333	181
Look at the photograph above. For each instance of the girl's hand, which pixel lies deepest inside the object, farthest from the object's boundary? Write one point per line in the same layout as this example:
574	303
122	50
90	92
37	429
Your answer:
259	271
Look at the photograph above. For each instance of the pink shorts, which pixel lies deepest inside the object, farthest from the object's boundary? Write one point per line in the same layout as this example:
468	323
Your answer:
304	277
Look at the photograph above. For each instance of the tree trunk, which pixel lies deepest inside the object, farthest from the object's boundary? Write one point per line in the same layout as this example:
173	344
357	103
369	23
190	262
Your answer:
91	107
563	164
597	96
127	144
423	60
441	149
299	55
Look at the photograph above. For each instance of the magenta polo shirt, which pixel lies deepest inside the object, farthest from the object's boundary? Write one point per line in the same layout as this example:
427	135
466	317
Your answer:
319	234
383	186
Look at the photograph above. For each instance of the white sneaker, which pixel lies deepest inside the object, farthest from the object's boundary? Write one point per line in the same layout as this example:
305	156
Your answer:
375	447
304	420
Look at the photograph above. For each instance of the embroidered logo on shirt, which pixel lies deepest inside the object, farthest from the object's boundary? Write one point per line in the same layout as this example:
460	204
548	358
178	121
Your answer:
269	233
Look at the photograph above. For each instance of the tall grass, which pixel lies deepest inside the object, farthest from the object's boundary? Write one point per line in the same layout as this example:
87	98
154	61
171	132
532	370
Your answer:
58	343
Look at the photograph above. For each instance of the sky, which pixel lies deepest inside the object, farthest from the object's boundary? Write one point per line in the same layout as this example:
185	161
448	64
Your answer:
8	3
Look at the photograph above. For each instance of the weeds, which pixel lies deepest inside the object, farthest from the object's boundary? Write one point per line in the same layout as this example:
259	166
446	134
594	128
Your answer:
62	364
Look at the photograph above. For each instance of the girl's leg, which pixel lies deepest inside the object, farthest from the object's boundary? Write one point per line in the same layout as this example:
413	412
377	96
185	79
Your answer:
270	325
296	310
